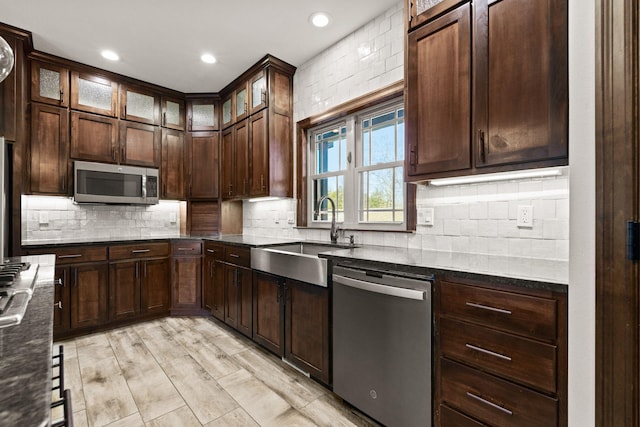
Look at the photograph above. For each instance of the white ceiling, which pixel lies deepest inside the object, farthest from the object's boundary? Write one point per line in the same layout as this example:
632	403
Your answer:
160	41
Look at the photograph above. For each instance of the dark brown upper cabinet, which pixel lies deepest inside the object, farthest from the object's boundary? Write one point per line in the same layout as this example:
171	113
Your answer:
258	92
420	11
507	109
94	94
203	152
139	105
228	111
241	101
49	150
202	115
173	164
93	137
172	113
49	84
139	144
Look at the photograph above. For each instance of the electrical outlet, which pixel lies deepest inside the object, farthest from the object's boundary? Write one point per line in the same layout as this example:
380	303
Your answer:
43	218
525	216
173	218
428	216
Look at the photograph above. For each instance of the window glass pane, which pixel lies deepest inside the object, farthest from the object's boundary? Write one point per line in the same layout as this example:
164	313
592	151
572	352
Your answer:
398	203
140	105
49	84
203	115
173	113
94	94
377	195
334	188
383	143
400	139
331	151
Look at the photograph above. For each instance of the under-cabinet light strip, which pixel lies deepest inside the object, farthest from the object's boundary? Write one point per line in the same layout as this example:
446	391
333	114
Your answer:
534	173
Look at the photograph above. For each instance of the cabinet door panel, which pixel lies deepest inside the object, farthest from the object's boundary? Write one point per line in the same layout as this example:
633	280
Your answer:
93	137
202	115
49	149
258	92
526	84
88	295
231	295
268	316
124	290
259	155
186	282
156	286
173	164
139	105
173	113
227	182
93	94
245	302
61	309
241	148
139	144
218	287
241	101
204	165
307	328
49	84
439	101
228	110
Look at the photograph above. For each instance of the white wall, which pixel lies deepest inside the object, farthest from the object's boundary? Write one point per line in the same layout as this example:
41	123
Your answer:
52	218
582	205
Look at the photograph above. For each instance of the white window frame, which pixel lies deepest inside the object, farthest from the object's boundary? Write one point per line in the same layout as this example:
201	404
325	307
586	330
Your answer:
352	193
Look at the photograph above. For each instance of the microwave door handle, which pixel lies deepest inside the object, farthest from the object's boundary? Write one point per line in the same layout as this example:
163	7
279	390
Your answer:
144	186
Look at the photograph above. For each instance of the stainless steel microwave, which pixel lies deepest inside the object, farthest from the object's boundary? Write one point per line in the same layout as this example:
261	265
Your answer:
106	183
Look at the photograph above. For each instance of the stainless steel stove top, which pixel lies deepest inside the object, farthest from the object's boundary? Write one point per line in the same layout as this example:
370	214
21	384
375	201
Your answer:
17	280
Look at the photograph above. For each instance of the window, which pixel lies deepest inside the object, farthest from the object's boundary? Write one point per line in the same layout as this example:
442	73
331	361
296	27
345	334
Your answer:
358	162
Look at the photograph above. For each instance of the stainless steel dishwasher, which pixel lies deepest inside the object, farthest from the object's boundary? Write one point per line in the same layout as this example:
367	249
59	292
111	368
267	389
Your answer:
382	344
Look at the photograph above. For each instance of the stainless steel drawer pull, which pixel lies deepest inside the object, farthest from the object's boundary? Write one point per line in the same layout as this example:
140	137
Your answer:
486	307
69	256
140	251
234	256
186	249
211	251
486	402
489	352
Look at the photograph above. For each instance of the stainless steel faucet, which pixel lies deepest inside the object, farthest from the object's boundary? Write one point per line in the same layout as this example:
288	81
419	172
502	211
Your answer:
334	229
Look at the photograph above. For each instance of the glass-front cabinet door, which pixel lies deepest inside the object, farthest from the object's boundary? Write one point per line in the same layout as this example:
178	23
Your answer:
202	114
242	102
138	105
172	113
228	116
258	92
49	84
421	11
93	94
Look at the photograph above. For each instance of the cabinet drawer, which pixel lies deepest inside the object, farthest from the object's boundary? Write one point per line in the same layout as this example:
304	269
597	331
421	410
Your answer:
494	401
237	255
75	255
142	250
214	250
508	311
523	360
187	247
453	418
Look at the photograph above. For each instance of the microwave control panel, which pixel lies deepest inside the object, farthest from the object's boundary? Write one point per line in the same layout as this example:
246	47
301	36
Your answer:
152	186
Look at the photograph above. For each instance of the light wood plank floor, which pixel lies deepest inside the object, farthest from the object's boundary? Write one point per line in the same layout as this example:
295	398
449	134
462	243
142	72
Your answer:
179	372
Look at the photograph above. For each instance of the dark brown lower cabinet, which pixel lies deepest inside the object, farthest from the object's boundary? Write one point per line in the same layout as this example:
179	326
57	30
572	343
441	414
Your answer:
291	319
139	287
238	298
500	354
187	285
80	297
213	287
88	295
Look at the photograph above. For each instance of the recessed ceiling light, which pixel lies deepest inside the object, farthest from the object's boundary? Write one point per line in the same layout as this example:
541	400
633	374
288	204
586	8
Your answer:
110	55
320	19
208	58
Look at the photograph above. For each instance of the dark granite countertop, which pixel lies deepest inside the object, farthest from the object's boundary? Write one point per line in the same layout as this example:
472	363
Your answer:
25	356
526	271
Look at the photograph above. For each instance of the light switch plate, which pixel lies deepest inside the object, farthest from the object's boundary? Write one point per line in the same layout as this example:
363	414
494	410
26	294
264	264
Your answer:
173	218
525	216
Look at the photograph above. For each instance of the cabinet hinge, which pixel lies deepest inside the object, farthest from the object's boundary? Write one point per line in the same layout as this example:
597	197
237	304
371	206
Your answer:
633	240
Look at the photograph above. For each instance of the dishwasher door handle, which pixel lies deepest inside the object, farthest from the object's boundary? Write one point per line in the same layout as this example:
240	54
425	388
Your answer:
380	289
